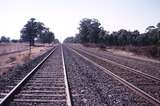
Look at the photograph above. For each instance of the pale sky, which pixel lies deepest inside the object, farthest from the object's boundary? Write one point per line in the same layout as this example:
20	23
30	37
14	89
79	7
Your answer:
63	16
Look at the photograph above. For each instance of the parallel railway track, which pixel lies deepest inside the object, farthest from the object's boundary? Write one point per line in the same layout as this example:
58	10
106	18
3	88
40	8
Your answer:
121	65
46	84
149	67
141	83
17	51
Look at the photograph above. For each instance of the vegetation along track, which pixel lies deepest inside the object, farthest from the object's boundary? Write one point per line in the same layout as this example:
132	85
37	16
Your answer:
45	85
140	83
148	67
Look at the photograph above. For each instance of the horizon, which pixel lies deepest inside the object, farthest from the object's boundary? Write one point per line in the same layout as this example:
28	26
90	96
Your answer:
63	17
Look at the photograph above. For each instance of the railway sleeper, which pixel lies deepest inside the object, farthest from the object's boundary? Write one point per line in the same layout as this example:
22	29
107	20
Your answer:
40	96
42	88
46	84
38	101
44	91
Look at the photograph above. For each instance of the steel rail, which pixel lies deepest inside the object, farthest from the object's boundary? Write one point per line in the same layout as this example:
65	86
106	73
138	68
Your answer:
123	81
10	95
17	51
69	103
123	66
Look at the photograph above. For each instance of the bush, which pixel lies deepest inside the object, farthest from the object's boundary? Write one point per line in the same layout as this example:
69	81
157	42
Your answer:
102	47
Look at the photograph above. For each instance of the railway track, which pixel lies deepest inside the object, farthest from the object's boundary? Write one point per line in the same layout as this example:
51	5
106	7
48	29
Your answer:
120	65
17	51
45	85
148	67
142	84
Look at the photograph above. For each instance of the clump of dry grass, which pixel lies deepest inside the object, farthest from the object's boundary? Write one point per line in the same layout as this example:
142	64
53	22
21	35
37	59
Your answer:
152	51
26	57
11	59
149	51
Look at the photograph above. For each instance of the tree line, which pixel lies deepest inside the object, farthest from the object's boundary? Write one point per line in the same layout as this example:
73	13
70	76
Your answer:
4	39
33	30
91	31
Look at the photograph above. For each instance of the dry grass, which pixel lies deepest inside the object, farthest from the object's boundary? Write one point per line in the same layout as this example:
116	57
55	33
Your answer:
148	51
152	52
11	60
10	47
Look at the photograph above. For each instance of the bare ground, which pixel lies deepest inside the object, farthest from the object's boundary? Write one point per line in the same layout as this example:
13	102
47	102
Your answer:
141	54
11	60
131	55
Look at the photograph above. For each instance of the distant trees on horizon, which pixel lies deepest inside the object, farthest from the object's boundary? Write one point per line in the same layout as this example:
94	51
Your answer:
46	36
91	31
32	31
4	39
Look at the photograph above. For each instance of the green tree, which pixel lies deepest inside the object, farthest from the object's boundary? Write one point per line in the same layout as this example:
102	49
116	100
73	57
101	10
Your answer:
56	41
69	40
158	29
89	30
31	30
150	28
46	37
5	39
158	25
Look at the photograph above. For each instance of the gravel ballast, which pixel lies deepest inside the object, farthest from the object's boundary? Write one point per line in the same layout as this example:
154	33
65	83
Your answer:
90	86
144	66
